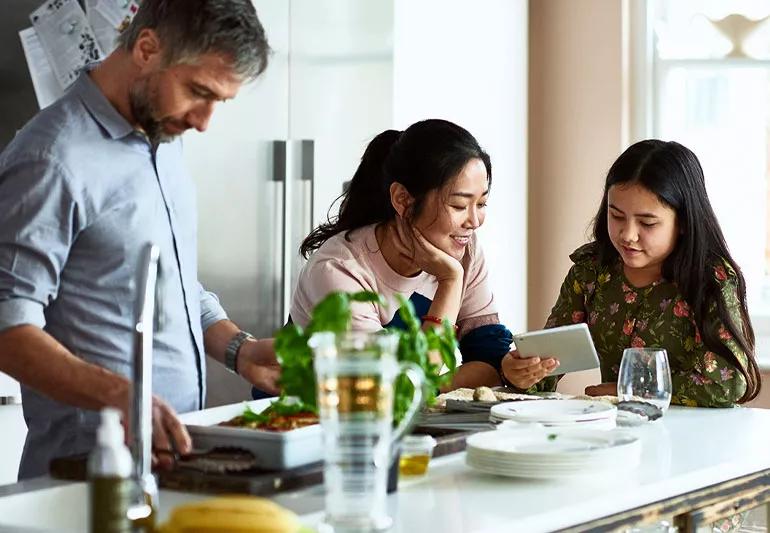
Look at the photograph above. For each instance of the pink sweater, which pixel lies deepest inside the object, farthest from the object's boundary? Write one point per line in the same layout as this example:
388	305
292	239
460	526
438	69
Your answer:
358	264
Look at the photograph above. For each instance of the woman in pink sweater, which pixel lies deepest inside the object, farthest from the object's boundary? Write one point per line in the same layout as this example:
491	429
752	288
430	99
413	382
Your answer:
407	226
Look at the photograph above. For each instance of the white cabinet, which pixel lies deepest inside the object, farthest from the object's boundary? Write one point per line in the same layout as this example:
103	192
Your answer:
14	429
12	442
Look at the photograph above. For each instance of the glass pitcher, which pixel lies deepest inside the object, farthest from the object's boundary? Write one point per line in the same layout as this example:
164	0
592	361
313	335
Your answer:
356	373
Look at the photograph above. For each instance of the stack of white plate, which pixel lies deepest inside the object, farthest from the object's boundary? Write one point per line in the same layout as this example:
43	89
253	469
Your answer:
583	414
547	453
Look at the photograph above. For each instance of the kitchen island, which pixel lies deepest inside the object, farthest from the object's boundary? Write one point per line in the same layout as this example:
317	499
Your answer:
692	459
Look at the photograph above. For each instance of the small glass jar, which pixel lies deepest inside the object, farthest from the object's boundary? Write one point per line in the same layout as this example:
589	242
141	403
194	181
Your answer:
416	451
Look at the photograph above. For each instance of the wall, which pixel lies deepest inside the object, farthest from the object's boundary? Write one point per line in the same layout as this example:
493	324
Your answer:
576	129
470	66
17	97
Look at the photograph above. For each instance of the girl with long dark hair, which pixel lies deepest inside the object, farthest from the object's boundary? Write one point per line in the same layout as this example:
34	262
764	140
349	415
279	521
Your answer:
658	273
407	226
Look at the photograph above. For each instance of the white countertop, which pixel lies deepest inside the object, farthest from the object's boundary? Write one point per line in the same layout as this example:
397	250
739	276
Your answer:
688	449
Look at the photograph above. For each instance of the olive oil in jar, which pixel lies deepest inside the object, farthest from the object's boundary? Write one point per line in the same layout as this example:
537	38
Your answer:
413	465
416	451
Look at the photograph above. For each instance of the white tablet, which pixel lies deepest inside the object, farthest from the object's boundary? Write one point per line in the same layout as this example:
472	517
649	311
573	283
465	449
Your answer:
571	345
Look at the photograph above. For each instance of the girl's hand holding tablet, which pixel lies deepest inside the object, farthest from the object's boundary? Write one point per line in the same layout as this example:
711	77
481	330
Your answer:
523	372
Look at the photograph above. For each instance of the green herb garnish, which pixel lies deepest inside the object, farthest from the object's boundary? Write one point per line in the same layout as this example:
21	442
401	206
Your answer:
552	436
249	415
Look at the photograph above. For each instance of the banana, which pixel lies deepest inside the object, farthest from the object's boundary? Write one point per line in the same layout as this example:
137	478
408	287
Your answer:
232	514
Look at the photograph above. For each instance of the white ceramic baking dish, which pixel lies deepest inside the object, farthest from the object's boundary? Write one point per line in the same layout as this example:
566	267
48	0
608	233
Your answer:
274	450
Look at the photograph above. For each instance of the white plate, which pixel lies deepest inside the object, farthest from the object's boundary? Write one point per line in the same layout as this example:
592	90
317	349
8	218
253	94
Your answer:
276	450
546	453
546	466
539	441
554	411
576	462
550	473
604	424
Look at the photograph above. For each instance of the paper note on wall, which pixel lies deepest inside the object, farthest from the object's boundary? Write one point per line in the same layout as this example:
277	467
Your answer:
116	12
67	38
47	89
108	18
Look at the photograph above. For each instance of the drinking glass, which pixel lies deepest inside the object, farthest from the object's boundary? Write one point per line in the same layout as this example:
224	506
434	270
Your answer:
356	372
645	376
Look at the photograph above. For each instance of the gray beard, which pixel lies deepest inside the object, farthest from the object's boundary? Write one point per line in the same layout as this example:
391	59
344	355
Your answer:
143	112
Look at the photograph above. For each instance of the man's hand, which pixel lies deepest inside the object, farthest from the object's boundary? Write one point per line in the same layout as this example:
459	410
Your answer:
604	389
257	365
523	372
167	428
169	435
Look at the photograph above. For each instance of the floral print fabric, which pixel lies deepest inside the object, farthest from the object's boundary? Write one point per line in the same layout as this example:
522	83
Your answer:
620	315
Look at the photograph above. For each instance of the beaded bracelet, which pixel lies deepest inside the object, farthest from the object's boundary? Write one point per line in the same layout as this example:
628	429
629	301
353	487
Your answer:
436	320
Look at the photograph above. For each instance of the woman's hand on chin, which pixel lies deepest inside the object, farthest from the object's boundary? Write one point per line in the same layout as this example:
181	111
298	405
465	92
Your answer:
413	245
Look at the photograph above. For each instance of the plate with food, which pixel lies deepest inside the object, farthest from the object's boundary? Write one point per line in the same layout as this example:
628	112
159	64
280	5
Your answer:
279	438
480	395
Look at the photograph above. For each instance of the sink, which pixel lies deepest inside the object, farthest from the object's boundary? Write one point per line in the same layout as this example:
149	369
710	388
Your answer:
63	507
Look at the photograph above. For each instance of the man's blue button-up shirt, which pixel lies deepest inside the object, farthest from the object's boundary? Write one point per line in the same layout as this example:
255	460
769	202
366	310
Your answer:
81	192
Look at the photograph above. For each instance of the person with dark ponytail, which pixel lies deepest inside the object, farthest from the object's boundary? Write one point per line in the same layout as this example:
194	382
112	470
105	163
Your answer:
658	273
407	226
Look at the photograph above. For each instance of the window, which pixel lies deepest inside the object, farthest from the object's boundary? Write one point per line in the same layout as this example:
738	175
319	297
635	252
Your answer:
709	88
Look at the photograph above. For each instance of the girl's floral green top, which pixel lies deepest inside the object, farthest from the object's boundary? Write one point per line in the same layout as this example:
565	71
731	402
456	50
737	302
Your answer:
620	315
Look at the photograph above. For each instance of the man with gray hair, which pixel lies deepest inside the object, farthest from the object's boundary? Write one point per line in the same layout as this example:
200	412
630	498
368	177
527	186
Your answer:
83	186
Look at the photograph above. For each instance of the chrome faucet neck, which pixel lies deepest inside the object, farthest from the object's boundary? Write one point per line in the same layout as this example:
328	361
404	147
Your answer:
141	405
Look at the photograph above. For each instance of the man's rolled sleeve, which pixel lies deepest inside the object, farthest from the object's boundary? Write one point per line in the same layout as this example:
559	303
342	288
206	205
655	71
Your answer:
21	311
39	220
211	310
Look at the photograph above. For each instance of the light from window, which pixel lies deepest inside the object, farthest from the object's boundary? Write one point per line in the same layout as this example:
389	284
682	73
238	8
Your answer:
711	92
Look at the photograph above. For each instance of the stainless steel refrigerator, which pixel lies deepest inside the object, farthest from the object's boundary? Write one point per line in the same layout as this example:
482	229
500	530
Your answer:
275	158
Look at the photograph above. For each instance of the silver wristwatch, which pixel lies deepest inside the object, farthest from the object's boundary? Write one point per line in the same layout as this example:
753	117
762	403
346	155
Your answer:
233	347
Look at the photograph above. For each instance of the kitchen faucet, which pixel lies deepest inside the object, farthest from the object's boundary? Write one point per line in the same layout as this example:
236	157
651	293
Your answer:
141	405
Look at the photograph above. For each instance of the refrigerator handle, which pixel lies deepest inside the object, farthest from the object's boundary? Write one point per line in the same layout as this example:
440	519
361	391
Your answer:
307	176
281	164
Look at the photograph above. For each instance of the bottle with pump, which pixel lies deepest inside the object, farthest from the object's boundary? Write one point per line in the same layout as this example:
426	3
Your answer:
109	473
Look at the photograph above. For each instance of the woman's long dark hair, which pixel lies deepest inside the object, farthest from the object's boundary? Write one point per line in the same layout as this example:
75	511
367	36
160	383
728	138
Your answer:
674	174
423	158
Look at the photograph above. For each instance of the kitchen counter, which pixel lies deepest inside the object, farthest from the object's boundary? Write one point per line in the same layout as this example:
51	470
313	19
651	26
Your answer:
687	450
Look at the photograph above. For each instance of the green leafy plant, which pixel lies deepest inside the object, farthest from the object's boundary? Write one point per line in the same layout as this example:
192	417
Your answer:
333	314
